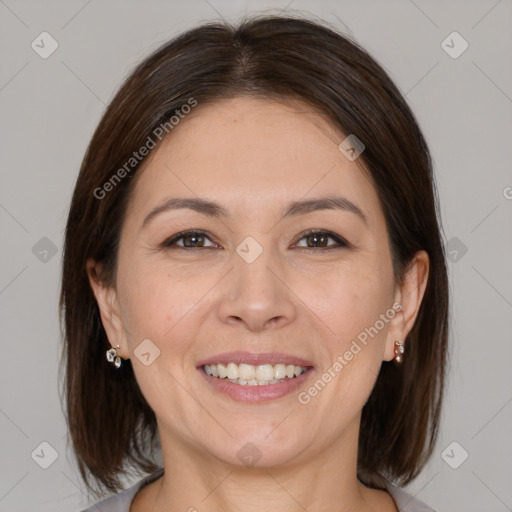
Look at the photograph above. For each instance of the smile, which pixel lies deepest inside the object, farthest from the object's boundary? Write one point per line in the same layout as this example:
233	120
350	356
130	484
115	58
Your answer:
251	375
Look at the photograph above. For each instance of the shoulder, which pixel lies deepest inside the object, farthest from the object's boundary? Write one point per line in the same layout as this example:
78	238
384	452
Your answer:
405	501
122	501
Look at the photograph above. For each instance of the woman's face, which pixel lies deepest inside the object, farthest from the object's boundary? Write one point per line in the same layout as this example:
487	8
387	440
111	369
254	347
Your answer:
253	282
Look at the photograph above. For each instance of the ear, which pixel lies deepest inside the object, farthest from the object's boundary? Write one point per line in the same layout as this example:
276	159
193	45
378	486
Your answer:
108	304
408	297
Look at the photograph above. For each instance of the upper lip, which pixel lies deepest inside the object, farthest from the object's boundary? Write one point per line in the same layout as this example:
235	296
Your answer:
254	359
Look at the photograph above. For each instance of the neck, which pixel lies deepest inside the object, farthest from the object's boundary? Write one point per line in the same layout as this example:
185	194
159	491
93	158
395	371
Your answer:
195	481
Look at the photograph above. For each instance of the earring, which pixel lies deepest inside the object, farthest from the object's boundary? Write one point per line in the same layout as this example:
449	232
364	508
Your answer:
399	350
113	357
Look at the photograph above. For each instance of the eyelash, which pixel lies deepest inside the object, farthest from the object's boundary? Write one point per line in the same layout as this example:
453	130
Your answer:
341	243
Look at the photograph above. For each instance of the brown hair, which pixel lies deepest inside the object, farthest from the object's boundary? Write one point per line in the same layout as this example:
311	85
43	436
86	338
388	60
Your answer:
110	422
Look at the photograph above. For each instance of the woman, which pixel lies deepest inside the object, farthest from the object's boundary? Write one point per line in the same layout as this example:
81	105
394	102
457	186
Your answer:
254	280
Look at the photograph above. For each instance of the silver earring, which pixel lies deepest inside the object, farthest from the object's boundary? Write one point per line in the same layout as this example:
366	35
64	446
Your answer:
113	356
399	350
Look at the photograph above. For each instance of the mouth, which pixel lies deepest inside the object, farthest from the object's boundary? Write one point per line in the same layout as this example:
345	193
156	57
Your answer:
247	377
250	375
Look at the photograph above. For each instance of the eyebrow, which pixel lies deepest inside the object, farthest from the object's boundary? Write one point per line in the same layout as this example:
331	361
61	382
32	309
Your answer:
293	209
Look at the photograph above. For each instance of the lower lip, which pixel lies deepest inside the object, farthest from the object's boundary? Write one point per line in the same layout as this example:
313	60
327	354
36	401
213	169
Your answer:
255	394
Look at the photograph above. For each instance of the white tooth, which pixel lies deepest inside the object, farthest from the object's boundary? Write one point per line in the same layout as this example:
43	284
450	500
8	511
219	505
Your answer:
279	371
222	371
233	380
250	375
246	371
264	372
232	371
298	371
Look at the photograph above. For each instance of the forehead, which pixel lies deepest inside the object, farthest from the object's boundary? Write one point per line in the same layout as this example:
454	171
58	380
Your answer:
254	153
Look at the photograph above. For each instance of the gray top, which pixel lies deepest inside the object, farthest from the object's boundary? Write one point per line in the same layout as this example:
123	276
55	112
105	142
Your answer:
121	502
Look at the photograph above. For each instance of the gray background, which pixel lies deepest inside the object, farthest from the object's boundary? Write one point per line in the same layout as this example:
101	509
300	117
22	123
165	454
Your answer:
50	107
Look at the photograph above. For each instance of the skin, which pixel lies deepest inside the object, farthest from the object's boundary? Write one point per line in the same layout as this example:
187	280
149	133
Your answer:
254	157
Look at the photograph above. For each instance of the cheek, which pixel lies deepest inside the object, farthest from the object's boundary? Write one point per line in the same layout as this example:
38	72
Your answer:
145	305
351	304
159	303
351	300
352	308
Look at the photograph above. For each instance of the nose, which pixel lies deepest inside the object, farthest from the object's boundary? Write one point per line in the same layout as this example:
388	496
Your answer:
256	295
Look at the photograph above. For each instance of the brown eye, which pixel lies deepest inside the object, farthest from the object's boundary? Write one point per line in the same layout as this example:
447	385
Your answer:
191	240
320	239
